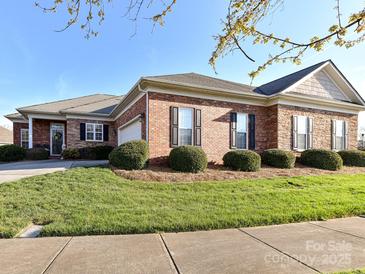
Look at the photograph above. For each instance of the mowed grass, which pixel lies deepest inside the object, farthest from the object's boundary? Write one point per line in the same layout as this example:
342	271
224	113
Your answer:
96	201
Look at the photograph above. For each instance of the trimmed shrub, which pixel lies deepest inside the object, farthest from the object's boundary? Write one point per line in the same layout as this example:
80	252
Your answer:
243	160
188	159
278	158
70	154
101	152
37	153
86	153
130	156
11	153
95	153
322	159
353	157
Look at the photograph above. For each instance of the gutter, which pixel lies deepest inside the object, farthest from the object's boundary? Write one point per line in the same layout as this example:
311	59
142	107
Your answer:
147	109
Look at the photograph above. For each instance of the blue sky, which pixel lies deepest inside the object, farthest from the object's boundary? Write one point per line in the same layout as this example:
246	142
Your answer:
39	65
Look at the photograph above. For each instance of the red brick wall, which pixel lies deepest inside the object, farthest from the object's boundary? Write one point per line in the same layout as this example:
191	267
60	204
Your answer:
321	126
138	108
215	125
41	131
16	132
73	134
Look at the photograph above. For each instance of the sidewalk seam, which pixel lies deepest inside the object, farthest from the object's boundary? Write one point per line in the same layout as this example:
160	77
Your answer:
339	231
277	249
169	253
56	256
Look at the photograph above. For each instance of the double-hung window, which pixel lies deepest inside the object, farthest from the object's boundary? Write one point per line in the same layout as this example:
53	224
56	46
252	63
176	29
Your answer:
241	134
185	126
94	132
339	134
302	133
24	137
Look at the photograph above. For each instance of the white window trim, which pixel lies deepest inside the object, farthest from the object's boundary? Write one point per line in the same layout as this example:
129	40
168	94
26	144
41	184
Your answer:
94	132
246	114
21	136
343	135
192	125
306	134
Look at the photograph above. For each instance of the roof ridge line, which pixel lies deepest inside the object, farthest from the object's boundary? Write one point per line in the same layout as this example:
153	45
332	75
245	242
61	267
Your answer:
201	75
224	80
65	109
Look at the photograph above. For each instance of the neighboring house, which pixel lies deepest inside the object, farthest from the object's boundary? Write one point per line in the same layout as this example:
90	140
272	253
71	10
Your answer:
6	136
313	108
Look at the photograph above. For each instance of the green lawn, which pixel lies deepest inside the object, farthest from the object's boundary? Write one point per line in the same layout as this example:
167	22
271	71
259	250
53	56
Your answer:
95	201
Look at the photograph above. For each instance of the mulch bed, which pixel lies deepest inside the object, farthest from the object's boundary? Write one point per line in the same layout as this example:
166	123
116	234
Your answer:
219	173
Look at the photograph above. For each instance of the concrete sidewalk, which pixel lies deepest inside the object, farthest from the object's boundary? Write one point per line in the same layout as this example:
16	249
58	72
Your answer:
18	170
310	247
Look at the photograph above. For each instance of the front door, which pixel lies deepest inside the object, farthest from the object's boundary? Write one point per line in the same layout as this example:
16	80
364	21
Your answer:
57	139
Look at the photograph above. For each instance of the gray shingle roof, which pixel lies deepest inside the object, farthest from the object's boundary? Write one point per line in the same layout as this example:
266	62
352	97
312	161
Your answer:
194	79
104	106
282	83
14	116
96	103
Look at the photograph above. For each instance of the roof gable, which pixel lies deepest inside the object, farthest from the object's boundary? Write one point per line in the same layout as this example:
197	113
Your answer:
283	83
320	85
329	77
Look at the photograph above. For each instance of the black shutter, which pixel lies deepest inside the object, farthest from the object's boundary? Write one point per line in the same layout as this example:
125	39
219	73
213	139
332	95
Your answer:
106	133
198	127
295	132
251	131
174	126
333	135
82	132
346	135
233	129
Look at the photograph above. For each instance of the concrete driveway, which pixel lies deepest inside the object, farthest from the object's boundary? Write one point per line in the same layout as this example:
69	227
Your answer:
309	247
18	170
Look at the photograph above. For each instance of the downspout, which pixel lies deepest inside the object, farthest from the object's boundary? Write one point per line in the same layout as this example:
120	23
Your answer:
147	109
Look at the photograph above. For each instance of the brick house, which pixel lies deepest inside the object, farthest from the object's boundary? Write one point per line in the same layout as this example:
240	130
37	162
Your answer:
313	108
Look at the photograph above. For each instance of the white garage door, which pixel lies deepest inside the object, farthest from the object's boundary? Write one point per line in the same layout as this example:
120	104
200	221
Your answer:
130	132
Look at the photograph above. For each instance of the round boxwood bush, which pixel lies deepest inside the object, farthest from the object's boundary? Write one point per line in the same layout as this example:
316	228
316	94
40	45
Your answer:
278	158
130	156
70	154
353	157
11	153
243	160
37	153
188	159
322	159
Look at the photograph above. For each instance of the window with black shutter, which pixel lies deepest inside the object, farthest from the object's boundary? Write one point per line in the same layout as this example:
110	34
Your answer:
174	126
198	127
233	129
